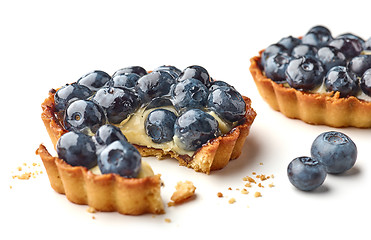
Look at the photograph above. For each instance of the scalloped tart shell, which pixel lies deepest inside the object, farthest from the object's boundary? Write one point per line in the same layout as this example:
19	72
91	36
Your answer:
110	192
314	108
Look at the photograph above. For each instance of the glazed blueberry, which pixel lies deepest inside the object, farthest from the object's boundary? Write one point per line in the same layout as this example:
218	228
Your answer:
107	134
77	149
271	50
365	82
305	73
227	103
338	79
118	103
335	150
154	84
159	125
306	173
275	66
69	93
318	36
367	44
303	50
194	128
133	69
85	116
331	57
289	42
120	157
196	72
125	80
351	35
94	80
217	84
188	94
359	64
350	47
173	71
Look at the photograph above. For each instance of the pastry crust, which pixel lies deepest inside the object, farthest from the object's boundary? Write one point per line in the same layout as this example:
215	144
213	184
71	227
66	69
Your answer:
314	108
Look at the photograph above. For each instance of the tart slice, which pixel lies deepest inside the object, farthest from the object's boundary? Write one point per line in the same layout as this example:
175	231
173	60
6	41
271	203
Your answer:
317	78
182	114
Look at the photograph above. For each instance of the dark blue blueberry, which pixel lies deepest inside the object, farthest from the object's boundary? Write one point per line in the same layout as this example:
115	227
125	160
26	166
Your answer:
358	65
305	73
227	103
365	82
69	93
194	128
289	42
306	173
217	84
275	66
350	47
351	35
94	80
318	36
77	149
107	134
159	125
303	50
196	72
133	69
367	44
125	80
120	157
331	57
173	71
84	116
339	80
271	50
154	84
335	150
118	103
188	94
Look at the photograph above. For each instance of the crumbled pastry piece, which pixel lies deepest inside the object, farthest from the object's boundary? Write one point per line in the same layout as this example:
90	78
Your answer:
257	194
232	200
184	191
220	195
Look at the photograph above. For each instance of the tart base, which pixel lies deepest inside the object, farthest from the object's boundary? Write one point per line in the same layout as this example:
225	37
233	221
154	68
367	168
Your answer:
313	108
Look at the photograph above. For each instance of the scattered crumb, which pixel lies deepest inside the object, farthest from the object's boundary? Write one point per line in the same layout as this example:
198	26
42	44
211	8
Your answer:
27	175
253	173
168	220
229	188
93	217
184	190
232	200
244	191
219	194
260	185
261	164
257	194
271	185
248	184
91	210
10	186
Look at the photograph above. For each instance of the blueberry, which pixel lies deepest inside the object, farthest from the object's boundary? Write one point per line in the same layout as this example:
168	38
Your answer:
94	80
351	35
303	50
367	44
133	69
359	64
338	79
331	57
271	50
350	47
85	116
275	66
289	42
318	36
335	150
125	80
120	157
154	84
159	125
118	103
217	84
77	149
306	173
194	128
69	93
107	134
365	82
173	71
188	94
227	103
305	73
196	72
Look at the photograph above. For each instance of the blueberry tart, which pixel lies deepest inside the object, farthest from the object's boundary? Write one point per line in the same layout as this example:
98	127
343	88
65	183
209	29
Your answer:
102	126
317	78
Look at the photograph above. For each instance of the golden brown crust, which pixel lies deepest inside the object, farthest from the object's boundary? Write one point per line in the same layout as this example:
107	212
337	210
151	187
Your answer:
328	108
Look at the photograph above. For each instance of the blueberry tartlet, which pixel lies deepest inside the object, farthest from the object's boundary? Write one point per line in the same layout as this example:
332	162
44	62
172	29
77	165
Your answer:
317	78
102	125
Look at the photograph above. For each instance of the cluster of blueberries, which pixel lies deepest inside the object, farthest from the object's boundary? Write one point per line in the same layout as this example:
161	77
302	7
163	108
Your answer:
341	63
331	152
97	99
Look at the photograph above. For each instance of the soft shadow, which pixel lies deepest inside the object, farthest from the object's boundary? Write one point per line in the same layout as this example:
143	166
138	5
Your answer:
321	189
354	171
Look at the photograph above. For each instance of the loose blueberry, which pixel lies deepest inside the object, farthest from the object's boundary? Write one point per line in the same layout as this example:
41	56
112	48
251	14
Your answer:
339	80
359	64
69	93
227	103
271	50
118	103
303	50
125	80
133	69
173	71
84	116
120	157
331	57
194	128
159	125
188	94
318	36
335	150
94	80
196	72
365	82
306	173
305	73
275	66
289	42
107	134
77	149
350	47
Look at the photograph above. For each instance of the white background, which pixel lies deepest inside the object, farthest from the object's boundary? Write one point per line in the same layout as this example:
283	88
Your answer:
44	44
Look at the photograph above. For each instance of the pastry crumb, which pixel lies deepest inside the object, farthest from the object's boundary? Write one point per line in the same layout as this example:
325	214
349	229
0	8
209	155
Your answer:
219	194
271	185
244	191
232	200
91	210
184	191
168	220
257	194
